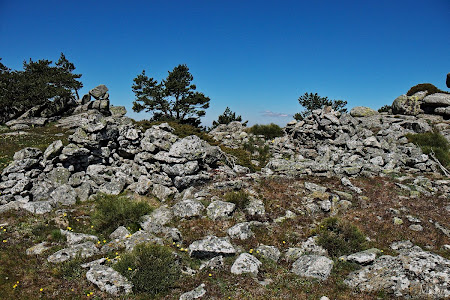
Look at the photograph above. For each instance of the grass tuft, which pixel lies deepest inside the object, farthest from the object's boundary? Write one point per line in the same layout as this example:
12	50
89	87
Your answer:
151	268
114	211
432	142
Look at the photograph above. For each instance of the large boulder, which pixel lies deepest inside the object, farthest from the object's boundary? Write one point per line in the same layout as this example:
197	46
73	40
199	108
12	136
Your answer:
314	266
437	99
211	246
99	92
414	273
109	280
408	105
246	263
362	111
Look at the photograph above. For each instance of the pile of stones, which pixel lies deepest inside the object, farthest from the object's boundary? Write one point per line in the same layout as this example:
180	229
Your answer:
108	155
422	102
363	142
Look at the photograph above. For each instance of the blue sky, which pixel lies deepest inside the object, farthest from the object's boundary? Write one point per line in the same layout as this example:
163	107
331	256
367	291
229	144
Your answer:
257	57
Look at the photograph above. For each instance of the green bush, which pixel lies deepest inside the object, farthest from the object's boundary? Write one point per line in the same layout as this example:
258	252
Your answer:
432	142
424	87
240	198
339	237
258	146
151	268
114	211
385	108
269	131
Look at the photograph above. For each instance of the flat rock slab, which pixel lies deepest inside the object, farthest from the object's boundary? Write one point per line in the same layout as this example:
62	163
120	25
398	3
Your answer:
211	246
77	238
195	293
220	209
313	266
38	249
84	250
109	280
188	209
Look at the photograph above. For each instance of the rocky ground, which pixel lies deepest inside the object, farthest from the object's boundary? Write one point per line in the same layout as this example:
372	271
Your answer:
345	208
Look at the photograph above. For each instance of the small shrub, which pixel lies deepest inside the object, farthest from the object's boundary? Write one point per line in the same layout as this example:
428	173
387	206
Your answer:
243	157
259	147
339	237
239	198
424	87
432	142
269	131
385	108
114	211
151	268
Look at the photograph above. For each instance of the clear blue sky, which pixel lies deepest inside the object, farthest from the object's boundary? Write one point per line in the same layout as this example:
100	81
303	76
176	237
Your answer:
257	57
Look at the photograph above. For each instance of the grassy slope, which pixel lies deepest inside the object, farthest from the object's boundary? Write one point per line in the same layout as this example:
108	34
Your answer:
371	215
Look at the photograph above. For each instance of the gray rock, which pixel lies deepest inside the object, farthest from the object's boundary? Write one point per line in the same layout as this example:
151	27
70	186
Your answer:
38	249
188	168
58	176
214	263
115	187
416	227
414	273
160	216
118	111
196	293
269	252
361	111
163	192
64	195
314	266
255	207
408	105
143	185
120	233
240	231
437	99
220	209
38	207
211	246
193	148
27	153
188	209
77	238
84	191
246	263
99	92
109	280
84	250
363	257
182	182
314	187
140	237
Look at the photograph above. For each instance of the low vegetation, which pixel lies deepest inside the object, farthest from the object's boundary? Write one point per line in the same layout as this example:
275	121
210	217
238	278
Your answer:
430	88
339	237
269	131
114	211
432	142
151	268
239	198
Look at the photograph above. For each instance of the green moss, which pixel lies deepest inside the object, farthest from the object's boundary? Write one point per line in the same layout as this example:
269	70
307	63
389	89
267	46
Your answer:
151	268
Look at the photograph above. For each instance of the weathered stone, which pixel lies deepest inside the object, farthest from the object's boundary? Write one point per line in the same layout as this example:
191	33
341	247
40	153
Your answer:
361	111
118	111
240	231
120	233
77	238
27	153
84	250
196	293
220	209
363	257
38	249
160	216
246	263
313	266
99	91
255	207
64	195
38	207
163	192
269	252
109	280
414	273
211	246
188	209
437	99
